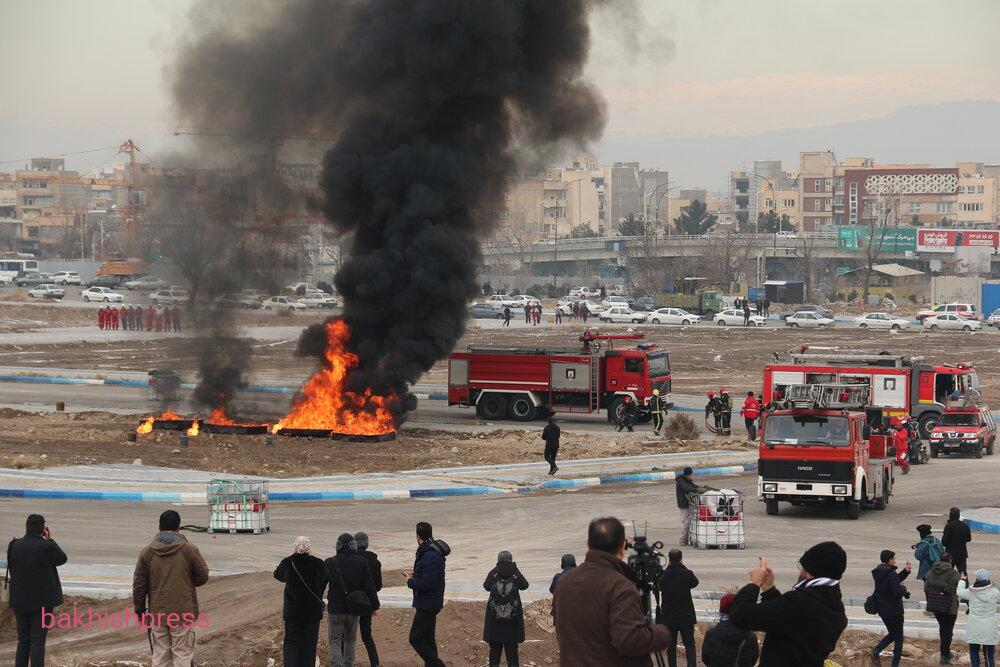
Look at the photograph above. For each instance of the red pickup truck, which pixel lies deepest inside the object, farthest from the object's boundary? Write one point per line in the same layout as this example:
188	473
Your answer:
966	430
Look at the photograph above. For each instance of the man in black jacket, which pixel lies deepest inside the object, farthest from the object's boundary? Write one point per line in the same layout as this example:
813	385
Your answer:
347	571
685	487
305	579
34	587
366	621
889	592
955	537
427	583
550	434
677	607
803	625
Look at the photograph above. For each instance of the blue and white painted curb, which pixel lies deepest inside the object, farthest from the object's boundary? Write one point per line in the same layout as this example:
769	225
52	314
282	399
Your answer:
200	498
982	526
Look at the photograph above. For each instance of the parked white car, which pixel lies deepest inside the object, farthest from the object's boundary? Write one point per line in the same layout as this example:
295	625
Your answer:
672	316
319	299
66	278
613	301
994	319
498	301
102	294
622	315
617	290
951	321
806	318
46	291
584	292
734	318
283	303
567	306
168	297
522	300
144	282
881	321
306	287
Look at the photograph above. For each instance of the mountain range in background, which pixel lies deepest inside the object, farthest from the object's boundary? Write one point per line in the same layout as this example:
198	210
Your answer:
938	134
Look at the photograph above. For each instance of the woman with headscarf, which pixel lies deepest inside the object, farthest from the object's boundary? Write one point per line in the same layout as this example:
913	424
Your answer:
503	629
981	628
305	579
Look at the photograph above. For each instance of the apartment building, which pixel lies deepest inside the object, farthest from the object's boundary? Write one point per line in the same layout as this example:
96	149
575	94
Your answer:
978	195
761	187
917	195
549	205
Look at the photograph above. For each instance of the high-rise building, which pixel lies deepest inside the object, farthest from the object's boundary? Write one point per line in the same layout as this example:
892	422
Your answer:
978	195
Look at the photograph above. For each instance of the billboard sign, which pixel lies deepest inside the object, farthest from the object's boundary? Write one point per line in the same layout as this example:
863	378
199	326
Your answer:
946	240
894	239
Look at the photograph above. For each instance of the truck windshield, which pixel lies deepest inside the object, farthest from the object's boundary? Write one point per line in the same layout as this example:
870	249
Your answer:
950	419
659	364
806	430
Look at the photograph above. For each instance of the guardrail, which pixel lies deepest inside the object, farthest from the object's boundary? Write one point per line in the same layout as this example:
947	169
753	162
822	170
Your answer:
817	239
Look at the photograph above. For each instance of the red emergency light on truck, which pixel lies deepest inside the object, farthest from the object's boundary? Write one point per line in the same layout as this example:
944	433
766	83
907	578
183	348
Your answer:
901	386
818	449
525	383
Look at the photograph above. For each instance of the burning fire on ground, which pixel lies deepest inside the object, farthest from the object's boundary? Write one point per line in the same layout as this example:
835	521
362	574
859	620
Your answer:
148	423
324	404
220	418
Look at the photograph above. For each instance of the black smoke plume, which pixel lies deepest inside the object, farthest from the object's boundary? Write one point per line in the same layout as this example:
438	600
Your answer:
434	104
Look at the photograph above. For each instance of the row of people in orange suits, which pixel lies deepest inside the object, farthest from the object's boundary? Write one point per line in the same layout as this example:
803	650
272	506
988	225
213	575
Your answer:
132	318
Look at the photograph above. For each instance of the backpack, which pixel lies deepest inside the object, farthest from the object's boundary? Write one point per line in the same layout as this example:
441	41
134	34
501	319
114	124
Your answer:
871	603
939	598
934	550
503	599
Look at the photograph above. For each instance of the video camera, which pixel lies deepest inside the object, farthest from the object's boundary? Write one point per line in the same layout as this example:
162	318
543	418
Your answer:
647	560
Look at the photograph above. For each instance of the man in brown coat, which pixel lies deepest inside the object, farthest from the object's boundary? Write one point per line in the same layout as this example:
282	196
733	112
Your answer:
163	592
597	609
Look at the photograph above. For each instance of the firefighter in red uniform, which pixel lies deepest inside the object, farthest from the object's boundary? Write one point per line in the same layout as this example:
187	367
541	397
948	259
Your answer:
750	412
902	439
114	318
100	318
150	316
123	317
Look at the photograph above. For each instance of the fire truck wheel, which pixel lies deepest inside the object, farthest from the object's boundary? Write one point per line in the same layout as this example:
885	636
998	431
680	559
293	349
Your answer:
613	409
853	509
522	409
771	506
492	406
882	502
926	424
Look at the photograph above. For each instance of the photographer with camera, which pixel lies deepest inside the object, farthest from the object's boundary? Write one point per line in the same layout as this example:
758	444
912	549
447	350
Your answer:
598	613
803	625
677	607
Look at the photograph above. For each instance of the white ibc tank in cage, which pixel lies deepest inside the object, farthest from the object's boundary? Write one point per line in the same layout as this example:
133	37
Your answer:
238	506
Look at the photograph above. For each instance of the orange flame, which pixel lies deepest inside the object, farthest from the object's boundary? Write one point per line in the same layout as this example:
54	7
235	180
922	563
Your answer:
220	418
195	428
146	426
323	402
170	414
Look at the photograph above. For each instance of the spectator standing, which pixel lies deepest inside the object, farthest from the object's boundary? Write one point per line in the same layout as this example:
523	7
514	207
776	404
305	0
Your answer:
597	609
584	312
166	577
685	486
365	621
32	563
302	608
767	308
927	551
941	589
567	563
138	318
803	625
550	434
506	316
750	412
981	628
177	319
725	645
955	538
677	607
889	593
427	583
527	313
746	312
503	628
558	314
347	572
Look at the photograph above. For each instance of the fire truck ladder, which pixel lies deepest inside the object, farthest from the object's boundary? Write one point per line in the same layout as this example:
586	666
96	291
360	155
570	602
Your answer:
888	360
595	372
827	396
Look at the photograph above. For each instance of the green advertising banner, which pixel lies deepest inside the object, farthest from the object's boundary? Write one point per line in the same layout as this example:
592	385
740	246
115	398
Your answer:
894	239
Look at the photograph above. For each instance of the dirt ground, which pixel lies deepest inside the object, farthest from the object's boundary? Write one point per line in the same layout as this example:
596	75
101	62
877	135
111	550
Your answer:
30	440
244	613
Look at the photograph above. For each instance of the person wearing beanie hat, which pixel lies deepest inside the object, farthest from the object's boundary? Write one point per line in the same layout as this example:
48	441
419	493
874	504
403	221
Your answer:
347	572
365	621
955	538
981	626
725	645
677	607
567	563
803	625
503	626
685	486
927	551
302	607
889	594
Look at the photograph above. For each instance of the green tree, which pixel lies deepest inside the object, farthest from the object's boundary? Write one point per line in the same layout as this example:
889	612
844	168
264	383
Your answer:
695	219
771	222
632	225
582	231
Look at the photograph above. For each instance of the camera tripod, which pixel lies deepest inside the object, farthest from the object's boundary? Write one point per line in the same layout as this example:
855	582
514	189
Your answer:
648	595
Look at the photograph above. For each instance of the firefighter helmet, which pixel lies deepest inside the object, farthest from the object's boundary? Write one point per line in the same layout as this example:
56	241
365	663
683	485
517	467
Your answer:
656	392
710	394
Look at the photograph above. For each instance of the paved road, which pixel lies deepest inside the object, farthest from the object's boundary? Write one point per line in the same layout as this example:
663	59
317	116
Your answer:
538	529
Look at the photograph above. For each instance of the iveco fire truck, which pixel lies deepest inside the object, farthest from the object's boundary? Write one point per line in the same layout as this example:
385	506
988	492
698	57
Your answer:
525	383
819	450
902	386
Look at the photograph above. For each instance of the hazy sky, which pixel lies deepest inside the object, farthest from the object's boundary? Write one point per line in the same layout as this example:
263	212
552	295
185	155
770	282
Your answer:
81	74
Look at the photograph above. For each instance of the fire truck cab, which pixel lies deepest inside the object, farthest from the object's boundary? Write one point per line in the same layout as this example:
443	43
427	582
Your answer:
818	450
902	386
525	383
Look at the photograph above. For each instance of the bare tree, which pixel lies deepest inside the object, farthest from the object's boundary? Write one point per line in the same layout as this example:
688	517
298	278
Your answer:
727	256
879	216
808	249
646	266
520	240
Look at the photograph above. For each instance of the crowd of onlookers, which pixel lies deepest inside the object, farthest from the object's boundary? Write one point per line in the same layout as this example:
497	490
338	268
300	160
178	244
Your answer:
137	318
597	608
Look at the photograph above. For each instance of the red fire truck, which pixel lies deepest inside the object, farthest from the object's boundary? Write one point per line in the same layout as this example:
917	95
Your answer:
902	386
819	450
525	383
